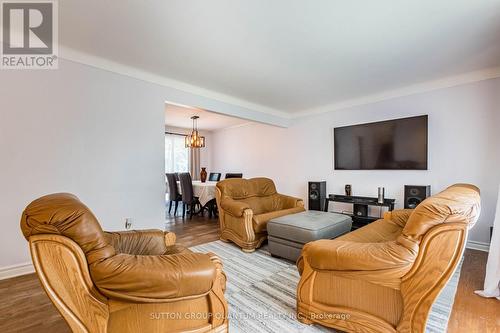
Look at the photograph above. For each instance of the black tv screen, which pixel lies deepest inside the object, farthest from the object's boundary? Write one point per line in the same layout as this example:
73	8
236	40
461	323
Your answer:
399	144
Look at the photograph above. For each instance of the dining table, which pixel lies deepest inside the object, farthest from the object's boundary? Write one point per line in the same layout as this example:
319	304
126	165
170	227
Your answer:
205	192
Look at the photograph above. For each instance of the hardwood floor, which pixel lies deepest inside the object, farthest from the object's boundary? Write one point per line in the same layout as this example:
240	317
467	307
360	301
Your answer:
26	308
197	231
472	313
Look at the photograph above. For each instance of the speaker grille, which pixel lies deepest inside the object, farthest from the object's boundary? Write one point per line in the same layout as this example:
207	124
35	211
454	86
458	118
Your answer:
313	195
415	194
413	202
414	191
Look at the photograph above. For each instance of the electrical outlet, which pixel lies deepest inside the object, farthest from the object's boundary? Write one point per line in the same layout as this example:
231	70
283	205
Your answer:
128	222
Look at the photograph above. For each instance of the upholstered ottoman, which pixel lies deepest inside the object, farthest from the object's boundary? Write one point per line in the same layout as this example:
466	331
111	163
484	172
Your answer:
288	234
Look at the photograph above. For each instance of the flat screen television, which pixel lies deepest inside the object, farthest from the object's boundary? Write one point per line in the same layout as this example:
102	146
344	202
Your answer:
399	144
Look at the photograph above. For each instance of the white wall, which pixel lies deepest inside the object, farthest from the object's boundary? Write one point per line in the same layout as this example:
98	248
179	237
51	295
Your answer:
464	145
84	131
206	152
87	131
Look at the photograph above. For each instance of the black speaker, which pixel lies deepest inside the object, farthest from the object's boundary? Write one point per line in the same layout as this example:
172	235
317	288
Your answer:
316	194
415	194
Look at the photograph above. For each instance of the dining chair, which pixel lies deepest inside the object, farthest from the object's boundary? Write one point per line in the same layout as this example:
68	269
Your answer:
211	206
234	175
214	176
188	198
173	192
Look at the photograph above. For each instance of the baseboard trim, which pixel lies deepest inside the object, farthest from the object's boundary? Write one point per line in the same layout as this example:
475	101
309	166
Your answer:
481	246
8	272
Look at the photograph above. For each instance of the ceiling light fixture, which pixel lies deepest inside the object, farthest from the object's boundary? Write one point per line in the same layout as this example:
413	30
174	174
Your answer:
194	140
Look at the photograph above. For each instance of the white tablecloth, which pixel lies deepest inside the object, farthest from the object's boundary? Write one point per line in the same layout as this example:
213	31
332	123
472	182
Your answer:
204	191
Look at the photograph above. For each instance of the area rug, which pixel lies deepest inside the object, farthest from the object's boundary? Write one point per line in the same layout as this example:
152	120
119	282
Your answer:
261	293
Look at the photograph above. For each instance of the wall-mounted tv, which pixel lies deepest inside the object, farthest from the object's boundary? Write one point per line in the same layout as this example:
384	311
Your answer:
399	144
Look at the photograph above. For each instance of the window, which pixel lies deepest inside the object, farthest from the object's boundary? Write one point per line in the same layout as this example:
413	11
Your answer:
176	154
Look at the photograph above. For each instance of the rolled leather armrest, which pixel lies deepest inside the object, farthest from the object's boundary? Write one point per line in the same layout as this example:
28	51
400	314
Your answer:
141	242
154	278
290	202
341	255
266	217
219	267
233	207
398	216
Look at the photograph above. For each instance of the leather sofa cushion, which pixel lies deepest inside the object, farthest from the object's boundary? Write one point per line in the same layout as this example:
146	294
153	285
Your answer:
260	205
64	214
458	203
398	216
347	255
246	188
142	242
378	231
139	242
150	278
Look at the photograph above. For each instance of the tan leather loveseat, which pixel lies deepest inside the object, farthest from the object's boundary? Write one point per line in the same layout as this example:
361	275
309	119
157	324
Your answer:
385	276
133	281
246	205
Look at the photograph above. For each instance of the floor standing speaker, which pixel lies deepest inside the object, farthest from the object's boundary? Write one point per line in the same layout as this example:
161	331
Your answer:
316	195
415	194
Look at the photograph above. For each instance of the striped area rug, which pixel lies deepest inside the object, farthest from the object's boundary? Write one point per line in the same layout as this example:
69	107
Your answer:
261	293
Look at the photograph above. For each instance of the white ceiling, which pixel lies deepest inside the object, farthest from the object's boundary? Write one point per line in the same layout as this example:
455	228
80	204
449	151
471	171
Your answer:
289	55
180	116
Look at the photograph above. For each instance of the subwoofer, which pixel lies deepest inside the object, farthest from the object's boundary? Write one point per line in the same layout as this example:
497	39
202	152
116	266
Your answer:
316	193
360	210
415	194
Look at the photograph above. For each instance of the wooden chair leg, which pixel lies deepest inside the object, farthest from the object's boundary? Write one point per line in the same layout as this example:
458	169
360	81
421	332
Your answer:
183	210
175	209
191	209
169	206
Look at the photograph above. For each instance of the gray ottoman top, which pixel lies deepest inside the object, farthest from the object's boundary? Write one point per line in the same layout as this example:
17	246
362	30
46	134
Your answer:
309	225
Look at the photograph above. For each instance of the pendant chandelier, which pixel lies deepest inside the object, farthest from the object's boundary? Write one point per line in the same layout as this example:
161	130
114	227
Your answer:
194	140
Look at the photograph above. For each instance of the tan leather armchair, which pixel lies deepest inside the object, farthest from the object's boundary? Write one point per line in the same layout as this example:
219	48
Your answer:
132	281
246	205
385	276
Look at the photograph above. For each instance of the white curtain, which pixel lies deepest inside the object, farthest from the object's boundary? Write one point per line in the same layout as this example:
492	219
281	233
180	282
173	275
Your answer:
194	163
176	154
492	279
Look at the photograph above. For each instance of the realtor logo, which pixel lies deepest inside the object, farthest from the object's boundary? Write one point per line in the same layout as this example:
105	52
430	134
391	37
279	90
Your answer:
29	35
